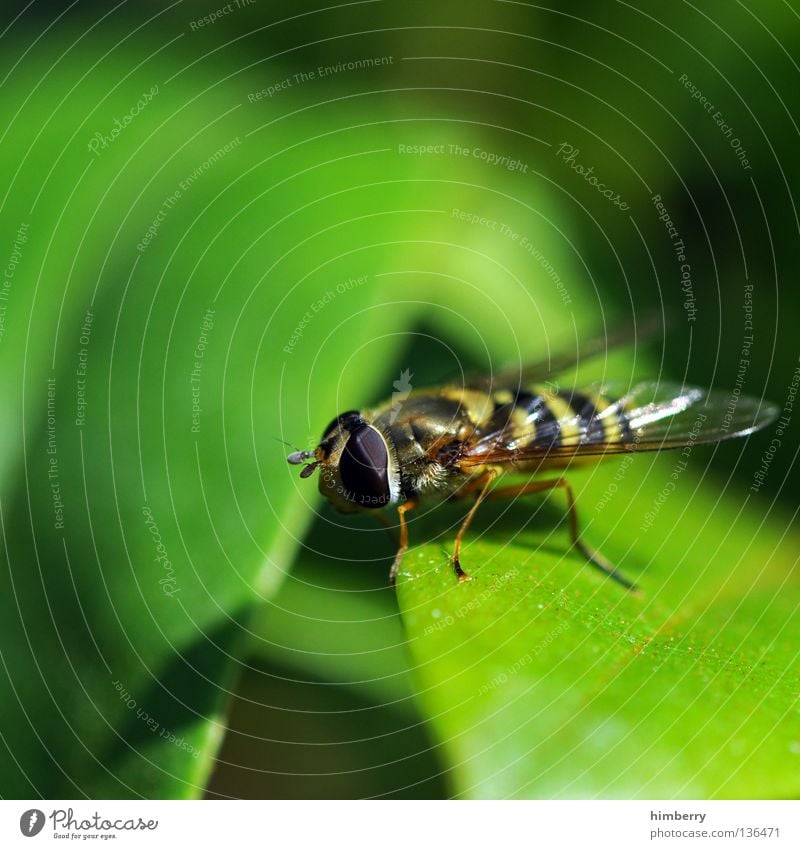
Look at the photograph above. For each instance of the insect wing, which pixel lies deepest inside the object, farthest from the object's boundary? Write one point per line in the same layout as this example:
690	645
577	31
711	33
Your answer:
650	417
515	376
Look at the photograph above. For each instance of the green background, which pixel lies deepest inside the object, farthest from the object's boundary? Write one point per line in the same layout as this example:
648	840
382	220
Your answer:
264	655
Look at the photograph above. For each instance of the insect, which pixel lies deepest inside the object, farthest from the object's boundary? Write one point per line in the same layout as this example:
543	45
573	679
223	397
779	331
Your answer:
457	441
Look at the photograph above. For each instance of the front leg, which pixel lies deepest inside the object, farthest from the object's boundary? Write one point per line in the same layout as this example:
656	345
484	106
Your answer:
483	482
401	515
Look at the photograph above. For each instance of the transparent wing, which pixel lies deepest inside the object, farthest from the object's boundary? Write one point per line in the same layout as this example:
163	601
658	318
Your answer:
521	375
651	416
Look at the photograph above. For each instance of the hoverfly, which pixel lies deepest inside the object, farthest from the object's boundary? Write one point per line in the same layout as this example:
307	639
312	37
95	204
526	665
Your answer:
456	441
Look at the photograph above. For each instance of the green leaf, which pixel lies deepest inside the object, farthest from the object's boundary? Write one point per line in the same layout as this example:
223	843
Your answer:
325	706
544	679
266	268
324	245
338	625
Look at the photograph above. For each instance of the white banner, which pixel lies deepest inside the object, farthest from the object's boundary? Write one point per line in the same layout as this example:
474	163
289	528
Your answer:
390	824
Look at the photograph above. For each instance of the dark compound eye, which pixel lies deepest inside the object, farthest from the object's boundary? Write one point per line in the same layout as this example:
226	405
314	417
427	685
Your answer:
351	417
364	467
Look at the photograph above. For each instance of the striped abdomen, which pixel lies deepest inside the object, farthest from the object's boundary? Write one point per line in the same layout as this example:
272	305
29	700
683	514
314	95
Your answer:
539	415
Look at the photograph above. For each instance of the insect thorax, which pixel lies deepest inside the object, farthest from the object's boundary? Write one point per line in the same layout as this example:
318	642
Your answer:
426	433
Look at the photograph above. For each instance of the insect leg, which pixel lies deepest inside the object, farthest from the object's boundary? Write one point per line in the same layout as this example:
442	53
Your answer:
401	515
485	479
594	557
386	523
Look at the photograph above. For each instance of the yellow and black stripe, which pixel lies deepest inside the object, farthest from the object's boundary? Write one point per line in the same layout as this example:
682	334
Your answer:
537	415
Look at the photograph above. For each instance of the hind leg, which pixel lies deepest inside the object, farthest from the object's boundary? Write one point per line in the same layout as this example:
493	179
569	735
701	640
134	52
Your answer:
594	557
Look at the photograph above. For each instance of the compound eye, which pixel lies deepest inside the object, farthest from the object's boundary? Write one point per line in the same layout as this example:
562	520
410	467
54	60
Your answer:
350	417
364	468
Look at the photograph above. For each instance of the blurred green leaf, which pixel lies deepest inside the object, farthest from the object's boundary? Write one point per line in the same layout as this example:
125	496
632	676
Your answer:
291	739
337	622
328	245
264	268
325	707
